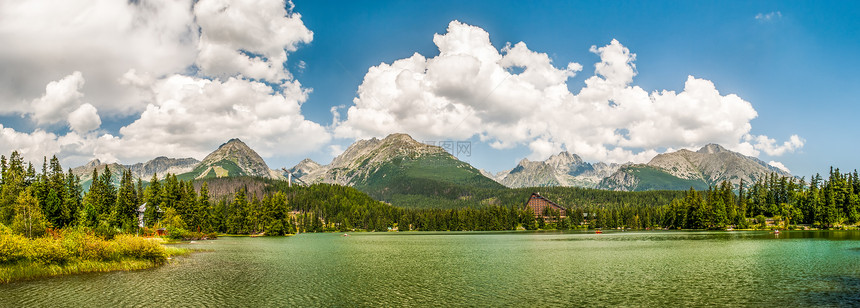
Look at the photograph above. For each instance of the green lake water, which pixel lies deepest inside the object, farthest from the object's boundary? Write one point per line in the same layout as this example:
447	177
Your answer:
655	269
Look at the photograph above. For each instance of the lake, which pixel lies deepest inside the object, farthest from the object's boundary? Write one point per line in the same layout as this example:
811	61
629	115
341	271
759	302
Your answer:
656	268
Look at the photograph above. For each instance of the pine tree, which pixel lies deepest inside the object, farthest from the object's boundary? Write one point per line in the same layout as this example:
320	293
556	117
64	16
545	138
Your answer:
237	223
153	196
205	209
73	200
718	210
13	185
125	209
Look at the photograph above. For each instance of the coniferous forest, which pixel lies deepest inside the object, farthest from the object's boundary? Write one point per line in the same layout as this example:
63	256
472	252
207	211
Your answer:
32	202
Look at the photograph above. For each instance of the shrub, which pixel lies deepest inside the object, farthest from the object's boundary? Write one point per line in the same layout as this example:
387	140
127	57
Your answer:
87	247
46	250
176	233
13	247
105	230
5	230
139	248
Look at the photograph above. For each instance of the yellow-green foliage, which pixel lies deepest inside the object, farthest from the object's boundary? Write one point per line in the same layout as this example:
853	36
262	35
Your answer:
140	248
48	250
75	251
87	246
73	245
12	247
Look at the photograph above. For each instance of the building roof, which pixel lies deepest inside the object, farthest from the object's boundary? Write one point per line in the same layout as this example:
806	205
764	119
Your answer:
545	199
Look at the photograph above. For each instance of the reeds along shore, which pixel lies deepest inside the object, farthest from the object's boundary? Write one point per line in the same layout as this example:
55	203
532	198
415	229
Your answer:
74	251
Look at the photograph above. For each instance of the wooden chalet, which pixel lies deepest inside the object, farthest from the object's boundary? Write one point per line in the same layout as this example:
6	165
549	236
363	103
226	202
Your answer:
541	206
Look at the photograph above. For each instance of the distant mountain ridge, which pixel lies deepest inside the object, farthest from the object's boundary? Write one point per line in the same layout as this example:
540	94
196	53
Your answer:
562	169
162	165
231	159
709	166
398	166
679	170
305	167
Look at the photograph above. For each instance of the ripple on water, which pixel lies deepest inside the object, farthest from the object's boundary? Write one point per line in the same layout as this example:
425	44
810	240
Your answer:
480	269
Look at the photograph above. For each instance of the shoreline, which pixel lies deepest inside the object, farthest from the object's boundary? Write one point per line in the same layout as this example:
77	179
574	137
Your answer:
28	270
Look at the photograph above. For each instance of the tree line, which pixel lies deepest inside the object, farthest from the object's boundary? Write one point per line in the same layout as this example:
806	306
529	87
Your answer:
786	201
31	202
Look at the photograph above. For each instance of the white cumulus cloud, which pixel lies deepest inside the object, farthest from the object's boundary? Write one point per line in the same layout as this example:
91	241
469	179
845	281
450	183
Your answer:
84	119
61	97
62	102
770	146
251	38
34	145
191	115
779	166
136	56
44	40
472	89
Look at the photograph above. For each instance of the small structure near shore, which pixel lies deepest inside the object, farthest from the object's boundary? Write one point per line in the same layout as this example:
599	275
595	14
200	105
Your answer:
542	207
141	210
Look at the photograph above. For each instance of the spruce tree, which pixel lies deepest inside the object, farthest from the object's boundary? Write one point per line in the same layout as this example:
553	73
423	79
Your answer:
73	200
152	194
125	209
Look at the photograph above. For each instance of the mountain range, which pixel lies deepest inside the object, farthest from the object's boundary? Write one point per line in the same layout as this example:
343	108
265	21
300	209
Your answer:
231	159
398	167
370	161
562	169
679	170
709	166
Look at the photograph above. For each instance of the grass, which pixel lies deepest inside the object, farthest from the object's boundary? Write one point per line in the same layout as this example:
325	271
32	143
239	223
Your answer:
75	252
33	270
221	168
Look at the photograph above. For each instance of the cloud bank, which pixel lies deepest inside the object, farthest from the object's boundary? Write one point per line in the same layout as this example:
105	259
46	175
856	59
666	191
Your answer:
517	97
195	73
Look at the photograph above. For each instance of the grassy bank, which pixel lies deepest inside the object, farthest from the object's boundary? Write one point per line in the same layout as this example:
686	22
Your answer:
74	252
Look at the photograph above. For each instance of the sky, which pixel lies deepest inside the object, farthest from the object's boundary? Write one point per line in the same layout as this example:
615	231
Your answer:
610	81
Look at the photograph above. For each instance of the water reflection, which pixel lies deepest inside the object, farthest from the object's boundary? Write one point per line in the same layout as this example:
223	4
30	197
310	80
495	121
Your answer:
643	268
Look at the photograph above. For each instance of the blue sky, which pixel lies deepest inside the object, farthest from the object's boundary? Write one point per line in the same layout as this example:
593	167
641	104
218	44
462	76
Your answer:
793	62
798	69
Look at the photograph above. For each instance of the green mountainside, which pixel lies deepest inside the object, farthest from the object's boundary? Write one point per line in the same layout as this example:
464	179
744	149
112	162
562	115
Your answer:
644	177
231	159
400	170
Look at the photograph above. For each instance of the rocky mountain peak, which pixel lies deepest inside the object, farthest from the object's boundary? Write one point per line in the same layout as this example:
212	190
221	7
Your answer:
93	163
304	167
562	169
400	137
308	162
712	148
362	156
564	158
242	155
